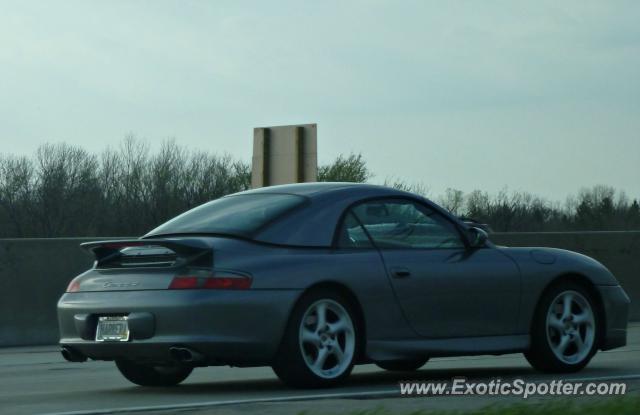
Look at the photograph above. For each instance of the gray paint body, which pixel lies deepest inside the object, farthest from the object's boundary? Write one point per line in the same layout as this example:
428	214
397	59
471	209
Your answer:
457	301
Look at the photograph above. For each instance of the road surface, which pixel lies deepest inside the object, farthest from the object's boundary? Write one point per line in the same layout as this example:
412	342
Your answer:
37	380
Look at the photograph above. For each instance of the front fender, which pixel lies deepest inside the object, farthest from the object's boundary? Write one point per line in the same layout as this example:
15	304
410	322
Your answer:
542	266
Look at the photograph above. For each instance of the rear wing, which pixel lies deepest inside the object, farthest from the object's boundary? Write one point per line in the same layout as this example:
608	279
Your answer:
181	251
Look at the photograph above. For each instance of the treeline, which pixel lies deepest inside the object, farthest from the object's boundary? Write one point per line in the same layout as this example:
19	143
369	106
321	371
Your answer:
63	190
598	208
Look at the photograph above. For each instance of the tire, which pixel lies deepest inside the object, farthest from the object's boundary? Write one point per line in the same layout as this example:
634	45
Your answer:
318	351
402	365
565	332
145	375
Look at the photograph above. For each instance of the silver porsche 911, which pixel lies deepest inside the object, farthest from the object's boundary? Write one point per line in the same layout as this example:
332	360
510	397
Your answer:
314	278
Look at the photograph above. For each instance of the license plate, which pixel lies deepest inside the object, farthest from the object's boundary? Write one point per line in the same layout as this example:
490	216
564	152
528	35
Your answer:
112	329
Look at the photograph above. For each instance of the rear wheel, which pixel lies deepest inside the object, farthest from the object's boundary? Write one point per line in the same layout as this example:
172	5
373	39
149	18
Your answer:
146	375
402	365
320	343
564	334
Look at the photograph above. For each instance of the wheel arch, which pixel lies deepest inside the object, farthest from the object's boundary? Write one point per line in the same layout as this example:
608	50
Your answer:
355	304
588	285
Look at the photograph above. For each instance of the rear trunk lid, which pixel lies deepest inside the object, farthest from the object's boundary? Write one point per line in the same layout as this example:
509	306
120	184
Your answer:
142	264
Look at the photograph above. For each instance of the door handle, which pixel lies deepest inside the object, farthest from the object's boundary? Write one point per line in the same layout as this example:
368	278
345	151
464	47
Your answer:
400	272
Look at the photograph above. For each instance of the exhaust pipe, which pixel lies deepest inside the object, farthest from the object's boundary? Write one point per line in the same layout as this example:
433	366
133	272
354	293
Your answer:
72	355
185	355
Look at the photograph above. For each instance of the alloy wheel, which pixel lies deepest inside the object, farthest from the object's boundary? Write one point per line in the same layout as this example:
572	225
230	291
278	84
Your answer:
327	339
570	327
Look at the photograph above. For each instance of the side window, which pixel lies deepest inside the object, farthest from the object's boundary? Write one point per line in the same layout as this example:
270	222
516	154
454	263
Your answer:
406	224
351	234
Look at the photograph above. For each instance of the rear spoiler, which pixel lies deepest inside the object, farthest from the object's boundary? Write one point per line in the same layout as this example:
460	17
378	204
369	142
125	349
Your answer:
106	250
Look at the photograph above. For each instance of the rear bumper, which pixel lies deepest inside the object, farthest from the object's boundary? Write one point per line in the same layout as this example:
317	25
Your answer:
616	307
227	327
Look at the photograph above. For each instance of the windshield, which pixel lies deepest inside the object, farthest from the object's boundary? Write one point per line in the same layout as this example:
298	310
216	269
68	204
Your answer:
240	215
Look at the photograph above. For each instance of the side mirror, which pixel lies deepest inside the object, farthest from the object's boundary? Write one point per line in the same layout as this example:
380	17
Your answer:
478	237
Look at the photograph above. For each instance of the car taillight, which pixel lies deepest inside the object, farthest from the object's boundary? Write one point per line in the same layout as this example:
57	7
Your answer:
217	281
228	283
74	286
184	282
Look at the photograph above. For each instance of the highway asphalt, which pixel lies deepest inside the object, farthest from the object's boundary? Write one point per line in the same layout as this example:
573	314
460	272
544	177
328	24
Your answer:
36	380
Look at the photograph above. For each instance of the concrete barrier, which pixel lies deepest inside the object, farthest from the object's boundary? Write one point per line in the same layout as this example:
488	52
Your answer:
35	272
33	275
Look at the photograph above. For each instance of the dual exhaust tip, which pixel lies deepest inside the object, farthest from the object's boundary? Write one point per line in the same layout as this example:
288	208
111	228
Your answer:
180	354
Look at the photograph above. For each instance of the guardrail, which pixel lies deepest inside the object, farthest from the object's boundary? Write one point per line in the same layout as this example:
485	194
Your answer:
35	272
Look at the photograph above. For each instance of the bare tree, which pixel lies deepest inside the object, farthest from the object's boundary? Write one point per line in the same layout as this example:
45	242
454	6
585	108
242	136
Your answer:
453	201
351	168
417	188
16	187
65	188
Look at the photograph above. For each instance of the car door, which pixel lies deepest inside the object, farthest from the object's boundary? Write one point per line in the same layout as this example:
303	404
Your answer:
444	288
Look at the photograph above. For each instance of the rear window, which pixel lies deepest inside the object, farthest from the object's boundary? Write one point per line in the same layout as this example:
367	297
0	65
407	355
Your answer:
240	215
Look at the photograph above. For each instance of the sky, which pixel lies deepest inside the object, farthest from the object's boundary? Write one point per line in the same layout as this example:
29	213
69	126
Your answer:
539	96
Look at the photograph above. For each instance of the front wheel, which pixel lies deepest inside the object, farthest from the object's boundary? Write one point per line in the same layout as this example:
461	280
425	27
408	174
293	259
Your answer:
564	334
146	375
320	343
